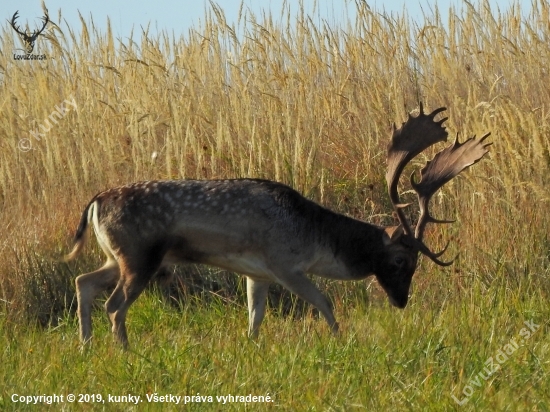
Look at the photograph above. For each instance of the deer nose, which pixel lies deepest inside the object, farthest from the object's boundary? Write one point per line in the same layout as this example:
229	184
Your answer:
399	303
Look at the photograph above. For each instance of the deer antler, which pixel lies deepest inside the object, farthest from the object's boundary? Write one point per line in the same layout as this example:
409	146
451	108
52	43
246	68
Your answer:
445	165
29	39
12	23
46	19
413	137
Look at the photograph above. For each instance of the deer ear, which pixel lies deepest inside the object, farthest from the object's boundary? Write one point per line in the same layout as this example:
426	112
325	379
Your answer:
393	234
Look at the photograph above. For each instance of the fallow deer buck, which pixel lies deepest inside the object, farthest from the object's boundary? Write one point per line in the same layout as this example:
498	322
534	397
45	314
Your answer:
264	230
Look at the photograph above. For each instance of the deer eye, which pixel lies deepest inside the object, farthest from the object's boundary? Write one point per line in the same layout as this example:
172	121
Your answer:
398	260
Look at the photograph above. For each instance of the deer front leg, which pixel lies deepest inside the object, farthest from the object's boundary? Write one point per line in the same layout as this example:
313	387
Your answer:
300	285
256	292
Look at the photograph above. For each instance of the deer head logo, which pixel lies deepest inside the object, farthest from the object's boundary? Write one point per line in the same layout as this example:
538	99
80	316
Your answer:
28	40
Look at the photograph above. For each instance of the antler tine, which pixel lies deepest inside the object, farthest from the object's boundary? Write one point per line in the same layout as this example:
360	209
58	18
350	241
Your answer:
412	138
12	22
425	216
46	19
434	257
445	165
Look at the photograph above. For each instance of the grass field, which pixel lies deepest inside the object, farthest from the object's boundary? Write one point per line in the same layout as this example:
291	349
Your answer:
279	97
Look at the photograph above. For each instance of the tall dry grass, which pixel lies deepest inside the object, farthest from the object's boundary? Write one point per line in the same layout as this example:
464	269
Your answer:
282	98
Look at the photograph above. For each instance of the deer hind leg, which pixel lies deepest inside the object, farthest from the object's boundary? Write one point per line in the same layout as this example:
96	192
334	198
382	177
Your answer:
256	292
88	286
300	285
134	275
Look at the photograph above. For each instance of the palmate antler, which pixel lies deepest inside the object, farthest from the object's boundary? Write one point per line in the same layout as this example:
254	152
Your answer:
412	138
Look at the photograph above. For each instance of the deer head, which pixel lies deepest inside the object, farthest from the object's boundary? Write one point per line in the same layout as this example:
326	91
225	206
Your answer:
411	139
28	40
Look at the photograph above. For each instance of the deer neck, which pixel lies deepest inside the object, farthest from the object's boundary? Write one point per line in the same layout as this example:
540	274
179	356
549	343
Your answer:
348	249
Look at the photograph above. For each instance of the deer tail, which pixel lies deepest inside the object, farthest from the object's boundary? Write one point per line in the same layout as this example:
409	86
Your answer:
81	235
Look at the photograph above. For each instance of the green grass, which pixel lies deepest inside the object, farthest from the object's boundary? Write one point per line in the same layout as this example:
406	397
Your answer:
413	359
